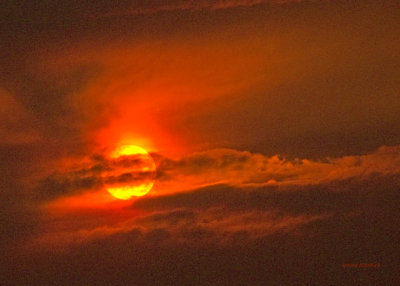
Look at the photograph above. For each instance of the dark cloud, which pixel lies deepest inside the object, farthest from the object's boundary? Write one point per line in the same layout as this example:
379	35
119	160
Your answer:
238	170
59	185
129	177
242	168
202	162
337	196
258	233
359	231
66	11
173	217
198	199
93	175
157	235
197	234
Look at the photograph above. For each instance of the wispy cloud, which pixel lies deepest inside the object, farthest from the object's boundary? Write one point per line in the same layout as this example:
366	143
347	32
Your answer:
94	174
226	215
182	5
275	196
244	168
219	166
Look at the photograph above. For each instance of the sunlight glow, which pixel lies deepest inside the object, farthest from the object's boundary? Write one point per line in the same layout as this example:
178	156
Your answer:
126	192
128	150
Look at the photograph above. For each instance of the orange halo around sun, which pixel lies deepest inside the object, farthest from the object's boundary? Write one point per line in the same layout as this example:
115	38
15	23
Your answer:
127	191
127	150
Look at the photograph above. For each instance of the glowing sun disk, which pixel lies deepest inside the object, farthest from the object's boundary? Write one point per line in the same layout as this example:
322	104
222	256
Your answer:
128	150
126	192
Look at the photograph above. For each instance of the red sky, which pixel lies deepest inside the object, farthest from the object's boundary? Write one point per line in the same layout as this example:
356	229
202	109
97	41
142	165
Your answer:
274	126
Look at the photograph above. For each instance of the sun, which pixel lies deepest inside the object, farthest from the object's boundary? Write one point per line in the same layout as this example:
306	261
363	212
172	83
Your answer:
127	150
133	172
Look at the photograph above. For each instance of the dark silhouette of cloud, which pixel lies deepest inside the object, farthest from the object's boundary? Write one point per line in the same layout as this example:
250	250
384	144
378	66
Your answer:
237	169
243	234
92	176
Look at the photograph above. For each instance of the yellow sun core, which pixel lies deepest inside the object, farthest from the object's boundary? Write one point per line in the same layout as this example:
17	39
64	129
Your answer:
134	174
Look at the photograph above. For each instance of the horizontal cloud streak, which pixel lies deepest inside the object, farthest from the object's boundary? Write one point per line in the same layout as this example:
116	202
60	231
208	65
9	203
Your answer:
181	5
245	168
94	174
226	166
227	215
